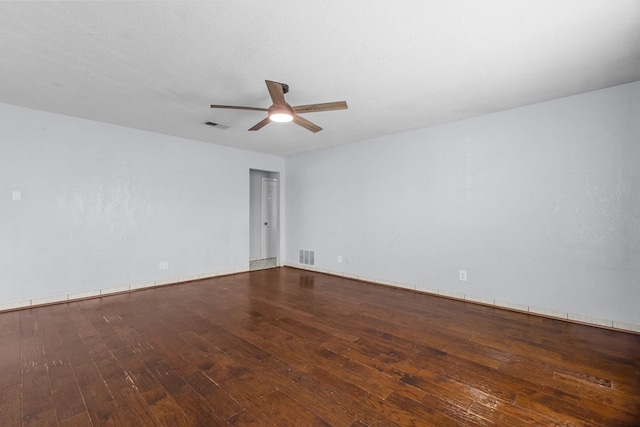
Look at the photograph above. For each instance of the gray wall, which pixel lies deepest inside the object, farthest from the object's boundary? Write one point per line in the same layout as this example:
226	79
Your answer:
540	204
102	205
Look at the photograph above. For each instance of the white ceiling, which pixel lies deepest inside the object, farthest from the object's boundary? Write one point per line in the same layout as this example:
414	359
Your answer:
400	65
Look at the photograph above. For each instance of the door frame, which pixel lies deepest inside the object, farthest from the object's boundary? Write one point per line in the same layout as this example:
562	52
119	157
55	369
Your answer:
255	213
264	234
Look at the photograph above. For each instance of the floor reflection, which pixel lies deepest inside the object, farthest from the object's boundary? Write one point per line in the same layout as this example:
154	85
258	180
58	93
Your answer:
261	264
306	281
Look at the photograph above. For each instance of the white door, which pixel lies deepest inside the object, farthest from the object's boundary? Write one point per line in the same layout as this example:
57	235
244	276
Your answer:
270	226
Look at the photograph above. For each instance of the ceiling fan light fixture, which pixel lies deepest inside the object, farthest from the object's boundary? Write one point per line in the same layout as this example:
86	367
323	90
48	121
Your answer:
280	111
281	116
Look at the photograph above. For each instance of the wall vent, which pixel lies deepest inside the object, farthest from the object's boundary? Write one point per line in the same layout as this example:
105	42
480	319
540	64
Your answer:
307	257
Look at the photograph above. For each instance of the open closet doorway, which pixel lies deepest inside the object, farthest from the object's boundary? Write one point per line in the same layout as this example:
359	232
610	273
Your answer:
264	205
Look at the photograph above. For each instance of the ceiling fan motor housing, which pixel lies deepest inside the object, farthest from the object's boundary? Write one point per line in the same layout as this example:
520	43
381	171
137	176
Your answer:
285	109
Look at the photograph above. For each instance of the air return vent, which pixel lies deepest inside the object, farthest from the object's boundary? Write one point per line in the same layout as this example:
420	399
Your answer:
307	257
218	125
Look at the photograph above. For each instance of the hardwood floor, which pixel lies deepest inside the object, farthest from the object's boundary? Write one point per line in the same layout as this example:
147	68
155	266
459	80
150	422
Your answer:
288	347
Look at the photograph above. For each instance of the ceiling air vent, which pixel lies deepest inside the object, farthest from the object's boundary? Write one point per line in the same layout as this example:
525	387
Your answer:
218	125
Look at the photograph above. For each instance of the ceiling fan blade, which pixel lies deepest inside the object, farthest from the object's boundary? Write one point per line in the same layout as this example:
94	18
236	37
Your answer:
306	124
276	92
327	106
262	123
235	107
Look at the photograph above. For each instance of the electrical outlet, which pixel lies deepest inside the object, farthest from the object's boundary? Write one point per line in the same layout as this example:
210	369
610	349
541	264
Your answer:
348	260
164	265
16	196
339	259
462	275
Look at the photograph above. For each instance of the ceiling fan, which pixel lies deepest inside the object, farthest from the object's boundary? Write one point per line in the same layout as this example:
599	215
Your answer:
280	111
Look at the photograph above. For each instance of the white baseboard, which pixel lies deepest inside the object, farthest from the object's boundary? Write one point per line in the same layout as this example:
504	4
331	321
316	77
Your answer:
536	311
55	299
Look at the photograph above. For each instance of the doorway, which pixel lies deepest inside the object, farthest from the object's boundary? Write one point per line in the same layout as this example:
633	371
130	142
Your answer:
265	219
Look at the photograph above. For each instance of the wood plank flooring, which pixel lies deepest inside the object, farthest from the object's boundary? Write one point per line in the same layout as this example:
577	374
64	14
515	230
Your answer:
287	347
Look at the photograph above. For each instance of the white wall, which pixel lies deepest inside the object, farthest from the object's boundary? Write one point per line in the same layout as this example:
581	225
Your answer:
102	205
540	204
